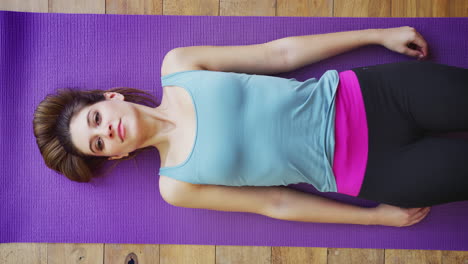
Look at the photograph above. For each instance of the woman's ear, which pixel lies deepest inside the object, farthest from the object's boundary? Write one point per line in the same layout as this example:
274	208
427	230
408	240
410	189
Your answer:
113	95
118	157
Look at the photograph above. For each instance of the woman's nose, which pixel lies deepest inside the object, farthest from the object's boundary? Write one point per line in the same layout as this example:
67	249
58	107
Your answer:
110	132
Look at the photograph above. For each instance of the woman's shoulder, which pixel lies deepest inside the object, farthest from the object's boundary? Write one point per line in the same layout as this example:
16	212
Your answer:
168	183
173	190
171	66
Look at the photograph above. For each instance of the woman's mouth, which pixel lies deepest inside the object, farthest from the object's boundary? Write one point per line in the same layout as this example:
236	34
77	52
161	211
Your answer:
121	130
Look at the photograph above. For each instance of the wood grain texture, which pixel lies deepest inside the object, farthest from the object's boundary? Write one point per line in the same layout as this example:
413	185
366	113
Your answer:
398	256
25	5
123	253
449	257
247	8
429	8
77	6
356	256
298	255
191	7
305	8
458	8
362	8
134	7
23	253
411	8
243	255
182	254
75	253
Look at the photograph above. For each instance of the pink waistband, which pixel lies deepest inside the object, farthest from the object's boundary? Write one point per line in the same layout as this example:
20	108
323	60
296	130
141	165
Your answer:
351	136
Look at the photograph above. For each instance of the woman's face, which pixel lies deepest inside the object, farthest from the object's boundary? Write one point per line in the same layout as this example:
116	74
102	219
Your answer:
95	129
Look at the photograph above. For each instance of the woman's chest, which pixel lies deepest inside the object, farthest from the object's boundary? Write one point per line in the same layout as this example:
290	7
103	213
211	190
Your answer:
183	114
204	126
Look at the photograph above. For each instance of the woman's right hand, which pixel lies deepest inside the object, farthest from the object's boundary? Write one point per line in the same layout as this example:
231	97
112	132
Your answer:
405	40
389	215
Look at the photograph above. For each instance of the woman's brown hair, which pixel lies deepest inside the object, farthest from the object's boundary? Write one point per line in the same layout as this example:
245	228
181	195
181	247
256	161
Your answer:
52	129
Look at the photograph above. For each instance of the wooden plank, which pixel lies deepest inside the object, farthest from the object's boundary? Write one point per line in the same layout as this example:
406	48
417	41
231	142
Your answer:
429	8
452	257
440	8
134	7
24	5
398	256
191	7
182	254
362	8
77	6
243	255
458	8
356	256
298	255
75	253
305	8
126	253
23	253
247	7
410	8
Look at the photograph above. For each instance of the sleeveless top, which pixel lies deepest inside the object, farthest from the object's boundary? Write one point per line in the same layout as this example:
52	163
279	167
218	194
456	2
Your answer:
258	130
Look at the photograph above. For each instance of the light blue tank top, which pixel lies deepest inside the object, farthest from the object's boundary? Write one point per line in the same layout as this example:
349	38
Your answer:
259	130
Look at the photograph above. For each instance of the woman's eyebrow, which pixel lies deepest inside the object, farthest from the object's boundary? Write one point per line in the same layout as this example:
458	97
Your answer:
90	142
87	118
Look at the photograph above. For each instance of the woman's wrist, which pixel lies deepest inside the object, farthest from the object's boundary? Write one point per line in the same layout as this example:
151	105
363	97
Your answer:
375	35
373	217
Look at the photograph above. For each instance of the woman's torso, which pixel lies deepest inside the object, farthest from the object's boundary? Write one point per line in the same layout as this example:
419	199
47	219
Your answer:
251	126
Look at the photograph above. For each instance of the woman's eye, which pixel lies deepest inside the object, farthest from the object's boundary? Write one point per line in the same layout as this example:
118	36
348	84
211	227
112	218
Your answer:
100	144
97	118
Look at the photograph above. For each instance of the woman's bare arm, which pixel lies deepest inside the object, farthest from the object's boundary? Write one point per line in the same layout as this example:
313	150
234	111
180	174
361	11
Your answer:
299	206
282	203
290	53
304	50
305	207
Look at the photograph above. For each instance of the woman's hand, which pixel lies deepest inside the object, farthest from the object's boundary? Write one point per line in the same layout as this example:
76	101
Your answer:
389	215
405	40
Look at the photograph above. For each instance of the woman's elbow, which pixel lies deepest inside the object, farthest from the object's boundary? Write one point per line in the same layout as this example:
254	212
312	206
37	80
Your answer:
275	207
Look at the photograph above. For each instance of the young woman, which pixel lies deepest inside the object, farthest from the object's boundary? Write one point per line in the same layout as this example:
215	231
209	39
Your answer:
229	135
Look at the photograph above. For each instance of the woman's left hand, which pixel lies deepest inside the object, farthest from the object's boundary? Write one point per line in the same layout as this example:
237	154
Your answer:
405	40
389	215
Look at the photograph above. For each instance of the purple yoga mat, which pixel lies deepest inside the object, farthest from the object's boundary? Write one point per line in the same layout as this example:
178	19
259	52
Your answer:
43	52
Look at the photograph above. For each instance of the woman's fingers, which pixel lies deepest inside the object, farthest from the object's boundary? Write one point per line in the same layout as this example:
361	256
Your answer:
423	44
412	52
417	220
414	211
416	45
420	214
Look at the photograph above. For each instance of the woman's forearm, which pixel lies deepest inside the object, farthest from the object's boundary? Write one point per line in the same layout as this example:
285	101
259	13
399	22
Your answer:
304	50
305	207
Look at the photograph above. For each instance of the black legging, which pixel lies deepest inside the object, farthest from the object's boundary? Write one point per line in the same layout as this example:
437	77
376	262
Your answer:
405	102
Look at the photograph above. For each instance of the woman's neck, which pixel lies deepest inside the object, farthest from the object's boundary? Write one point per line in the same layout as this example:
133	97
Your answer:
158	124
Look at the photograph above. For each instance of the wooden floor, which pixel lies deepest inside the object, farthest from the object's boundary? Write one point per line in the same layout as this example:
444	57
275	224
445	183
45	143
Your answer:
119	253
